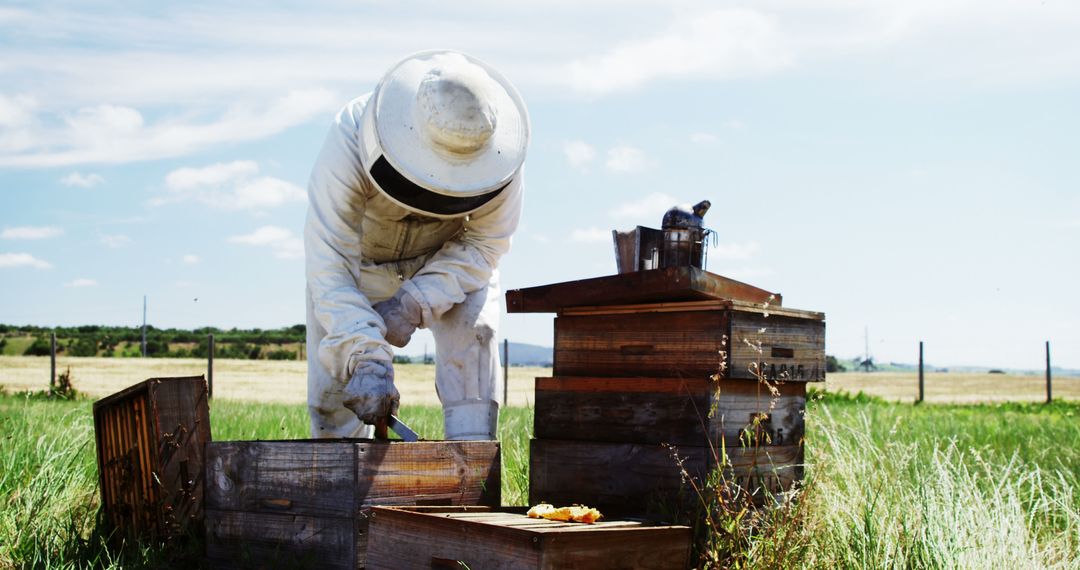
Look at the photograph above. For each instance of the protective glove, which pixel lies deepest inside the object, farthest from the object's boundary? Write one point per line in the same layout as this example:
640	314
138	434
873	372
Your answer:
401	313
370	393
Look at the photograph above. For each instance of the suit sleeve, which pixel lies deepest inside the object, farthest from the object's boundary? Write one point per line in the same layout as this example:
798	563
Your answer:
332	234
465	263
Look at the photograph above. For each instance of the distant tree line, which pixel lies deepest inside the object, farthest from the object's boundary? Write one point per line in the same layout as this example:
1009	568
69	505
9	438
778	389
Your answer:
98	340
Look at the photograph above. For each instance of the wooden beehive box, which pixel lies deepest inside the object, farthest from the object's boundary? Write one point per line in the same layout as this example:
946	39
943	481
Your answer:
405	539
150	440
305	503
673	363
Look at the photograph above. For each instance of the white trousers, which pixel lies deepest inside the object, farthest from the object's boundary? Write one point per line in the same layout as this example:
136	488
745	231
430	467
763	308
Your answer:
466	362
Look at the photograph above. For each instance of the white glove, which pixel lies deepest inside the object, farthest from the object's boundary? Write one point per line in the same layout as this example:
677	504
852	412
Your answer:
401	313
370	393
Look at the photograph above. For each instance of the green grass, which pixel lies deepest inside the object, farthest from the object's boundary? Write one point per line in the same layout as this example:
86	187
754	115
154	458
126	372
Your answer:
888	485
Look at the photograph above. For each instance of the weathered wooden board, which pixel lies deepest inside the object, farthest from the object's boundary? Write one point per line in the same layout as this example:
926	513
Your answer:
406	539
776	347
677	411
150	440
699	342
683	344
647	480
658	285
269	501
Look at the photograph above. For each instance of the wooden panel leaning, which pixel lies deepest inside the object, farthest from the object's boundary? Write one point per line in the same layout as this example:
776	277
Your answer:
731	339
150	440
406	538
305	503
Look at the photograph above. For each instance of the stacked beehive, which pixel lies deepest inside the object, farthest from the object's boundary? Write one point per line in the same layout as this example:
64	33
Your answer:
657	375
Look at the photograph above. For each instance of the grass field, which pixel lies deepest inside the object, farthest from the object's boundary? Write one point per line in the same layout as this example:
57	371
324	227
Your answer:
889	485
286	381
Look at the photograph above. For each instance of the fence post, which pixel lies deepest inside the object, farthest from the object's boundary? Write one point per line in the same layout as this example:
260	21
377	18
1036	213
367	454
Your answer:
210	366
52	359
506	371
1049	391
922	393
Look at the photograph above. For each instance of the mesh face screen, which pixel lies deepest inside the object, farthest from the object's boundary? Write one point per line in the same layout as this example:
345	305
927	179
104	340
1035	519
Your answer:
415	196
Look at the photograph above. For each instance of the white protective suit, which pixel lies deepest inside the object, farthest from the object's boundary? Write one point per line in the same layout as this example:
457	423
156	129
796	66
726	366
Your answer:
361	247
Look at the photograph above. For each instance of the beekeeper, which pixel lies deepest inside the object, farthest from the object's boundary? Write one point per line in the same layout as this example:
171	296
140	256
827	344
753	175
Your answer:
412	202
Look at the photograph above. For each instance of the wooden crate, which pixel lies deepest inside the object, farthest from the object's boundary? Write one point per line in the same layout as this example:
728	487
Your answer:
732	339
305	503
650	480
150	440
403	538
679	411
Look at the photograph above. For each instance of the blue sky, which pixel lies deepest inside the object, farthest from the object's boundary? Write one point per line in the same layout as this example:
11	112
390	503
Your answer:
910	167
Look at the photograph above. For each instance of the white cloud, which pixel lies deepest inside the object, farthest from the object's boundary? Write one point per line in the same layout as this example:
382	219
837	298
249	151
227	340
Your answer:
81	282
578	153
723	43
112	133
651	207
735	250
626	159
190	259
22	260
229	186
703	138
283	242
114	240
590	235
31	232
82	181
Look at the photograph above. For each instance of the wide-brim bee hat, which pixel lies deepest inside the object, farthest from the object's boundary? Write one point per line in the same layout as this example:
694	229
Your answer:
444	133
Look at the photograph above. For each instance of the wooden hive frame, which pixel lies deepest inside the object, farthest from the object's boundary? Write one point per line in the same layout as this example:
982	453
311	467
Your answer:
150	440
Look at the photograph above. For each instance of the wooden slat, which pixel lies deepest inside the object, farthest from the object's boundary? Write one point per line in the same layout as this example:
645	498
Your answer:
630	410
738	402
659	285
402	541
645	480
646	548
682	345
300	478
429	472
401	538
712	305
668	410
781	348
617	478
266	540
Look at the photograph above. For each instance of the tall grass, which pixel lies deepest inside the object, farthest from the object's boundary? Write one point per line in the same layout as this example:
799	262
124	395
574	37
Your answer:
896	486
888	485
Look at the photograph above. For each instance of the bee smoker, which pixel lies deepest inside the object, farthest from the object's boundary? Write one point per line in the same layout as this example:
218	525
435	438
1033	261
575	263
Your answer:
679	243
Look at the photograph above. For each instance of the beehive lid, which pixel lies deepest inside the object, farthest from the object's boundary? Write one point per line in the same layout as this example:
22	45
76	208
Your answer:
671	284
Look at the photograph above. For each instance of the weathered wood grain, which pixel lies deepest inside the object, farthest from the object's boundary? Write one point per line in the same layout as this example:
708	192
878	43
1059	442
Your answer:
696	343
658	285
681	345
265	497
776	347
650	480
150	440
678	411
405	539
238	539
617	478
